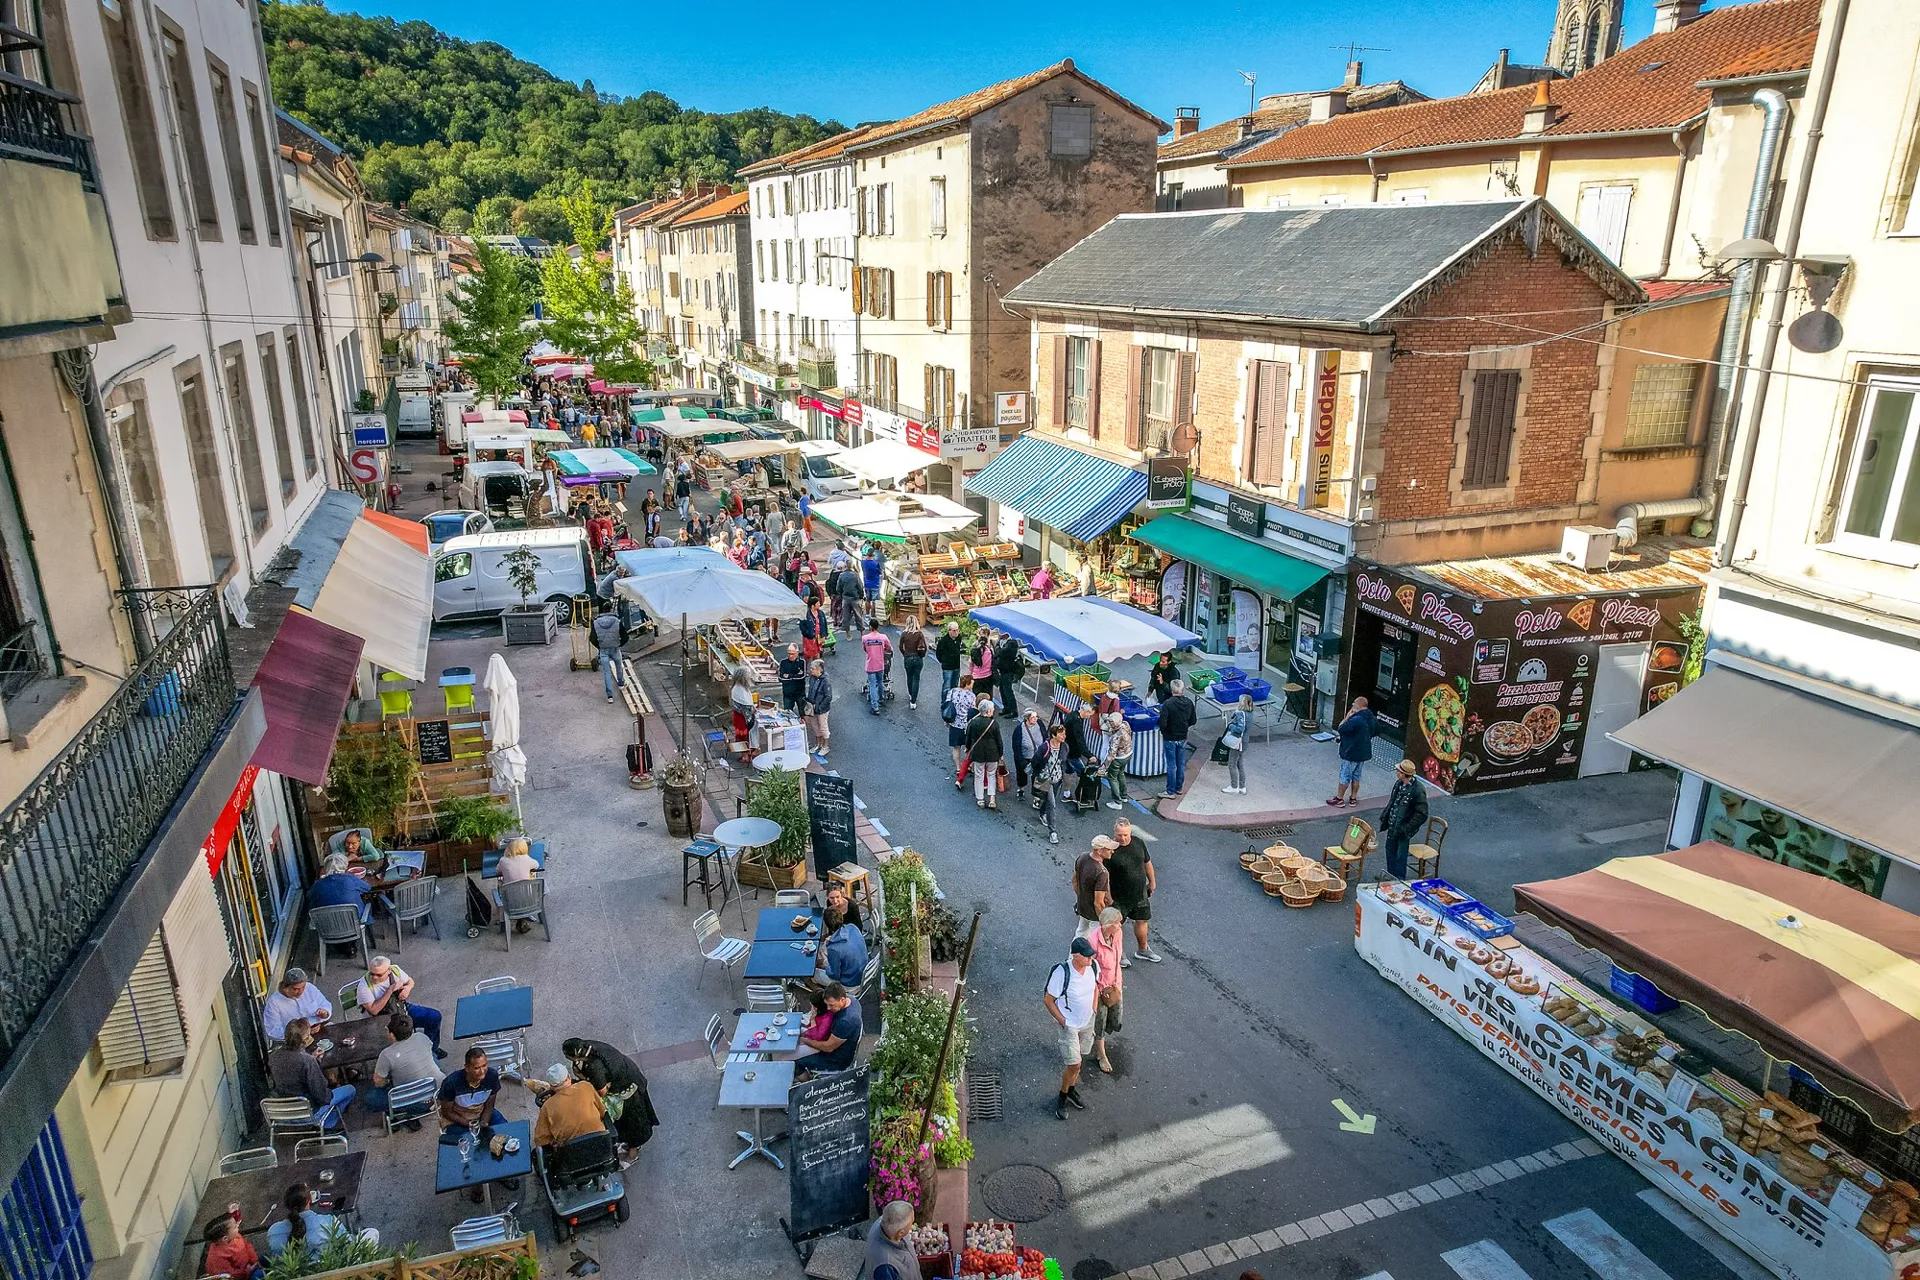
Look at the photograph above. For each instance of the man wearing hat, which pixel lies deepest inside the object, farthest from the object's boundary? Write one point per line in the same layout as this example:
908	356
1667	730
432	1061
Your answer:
1071	991
1403	818
571	1109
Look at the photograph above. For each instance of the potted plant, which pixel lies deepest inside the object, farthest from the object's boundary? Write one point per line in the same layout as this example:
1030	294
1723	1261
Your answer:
368	782
782	864
468	826
526	623
364	402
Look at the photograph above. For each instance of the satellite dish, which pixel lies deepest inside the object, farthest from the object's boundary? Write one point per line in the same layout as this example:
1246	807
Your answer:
1816	332
1186	438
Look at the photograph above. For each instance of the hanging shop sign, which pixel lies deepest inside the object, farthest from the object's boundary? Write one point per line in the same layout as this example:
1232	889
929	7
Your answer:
1683	1151
1167	488
369	430
882	425
1246	516
364	464
831	410
959	442
1502	690
215	848
1326	406
1009	408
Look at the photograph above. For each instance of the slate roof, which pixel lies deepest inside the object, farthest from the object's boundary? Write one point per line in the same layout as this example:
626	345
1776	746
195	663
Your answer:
1652	86
1350	266
297	133
968	105
1288	113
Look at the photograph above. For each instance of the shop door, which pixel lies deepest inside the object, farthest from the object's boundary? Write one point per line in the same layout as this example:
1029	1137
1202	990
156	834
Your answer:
1616	702
1279	651
1383	657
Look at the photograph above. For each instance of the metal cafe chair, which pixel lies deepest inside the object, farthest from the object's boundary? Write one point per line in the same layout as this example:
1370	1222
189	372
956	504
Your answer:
332	1144
249	1160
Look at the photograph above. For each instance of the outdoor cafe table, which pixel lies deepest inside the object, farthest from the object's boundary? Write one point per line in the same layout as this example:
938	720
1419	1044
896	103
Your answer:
779	1039
767	1089
369	1037
450	1174
260	1192
492	1012
779	959
775	924
490	860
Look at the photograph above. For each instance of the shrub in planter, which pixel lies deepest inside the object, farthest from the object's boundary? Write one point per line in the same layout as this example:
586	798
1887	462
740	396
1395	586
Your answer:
463	818
368	781
778	798
901	1069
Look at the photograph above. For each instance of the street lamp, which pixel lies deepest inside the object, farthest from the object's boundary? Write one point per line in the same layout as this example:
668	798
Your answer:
368	259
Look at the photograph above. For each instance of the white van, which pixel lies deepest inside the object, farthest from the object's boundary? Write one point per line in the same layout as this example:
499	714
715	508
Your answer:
821	476
497	486
470	572
450	406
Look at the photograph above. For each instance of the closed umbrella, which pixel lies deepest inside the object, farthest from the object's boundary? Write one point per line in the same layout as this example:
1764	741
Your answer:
705	595
503	716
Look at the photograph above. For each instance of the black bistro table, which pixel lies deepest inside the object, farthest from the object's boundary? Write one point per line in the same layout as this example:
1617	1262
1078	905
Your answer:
260	1193
492	1012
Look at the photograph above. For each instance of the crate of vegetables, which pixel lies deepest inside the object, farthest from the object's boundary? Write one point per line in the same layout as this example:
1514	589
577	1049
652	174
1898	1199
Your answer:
932	1249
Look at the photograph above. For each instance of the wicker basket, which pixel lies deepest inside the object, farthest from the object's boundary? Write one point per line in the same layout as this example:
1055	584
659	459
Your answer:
1261	866
1335	890
1294	865
1314	876
1298	895
1251	856
1273	882
1281	850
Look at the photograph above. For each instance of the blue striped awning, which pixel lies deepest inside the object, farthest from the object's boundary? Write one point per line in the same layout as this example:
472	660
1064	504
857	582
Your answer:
1076	493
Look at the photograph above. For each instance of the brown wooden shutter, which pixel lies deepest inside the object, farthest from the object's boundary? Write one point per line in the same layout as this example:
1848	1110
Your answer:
1496	397
1183	390
1136	391
932	319
1268	429
1060	341
859	291
1093	388
932	414
946	293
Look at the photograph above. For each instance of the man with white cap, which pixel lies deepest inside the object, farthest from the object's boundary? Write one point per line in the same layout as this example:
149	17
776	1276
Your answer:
569	1109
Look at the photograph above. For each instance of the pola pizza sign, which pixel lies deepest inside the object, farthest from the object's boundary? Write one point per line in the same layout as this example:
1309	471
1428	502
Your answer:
1502	689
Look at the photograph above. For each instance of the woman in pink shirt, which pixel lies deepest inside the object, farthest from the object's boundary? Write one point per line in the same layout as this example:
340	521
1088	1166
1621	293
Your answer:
1041	581
1106	1006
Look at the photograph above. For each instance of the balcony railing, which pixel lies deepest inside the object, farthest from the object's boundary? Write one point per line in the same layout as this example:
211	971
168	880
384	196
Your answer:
77	831
21	660
758	357
816	366
34	126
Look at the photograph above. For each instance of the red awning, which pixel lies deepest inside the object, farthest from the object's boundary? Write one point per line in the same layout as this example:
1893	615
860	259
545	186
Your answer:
304	683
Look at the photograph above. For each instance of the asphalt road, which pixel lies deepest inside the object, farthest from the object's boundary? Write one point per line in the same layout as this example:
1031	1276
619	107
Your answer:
1219	1124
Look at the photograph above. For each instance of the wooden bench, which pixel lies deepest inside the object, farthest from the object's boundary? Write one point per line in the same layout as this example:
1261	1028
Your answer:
638	704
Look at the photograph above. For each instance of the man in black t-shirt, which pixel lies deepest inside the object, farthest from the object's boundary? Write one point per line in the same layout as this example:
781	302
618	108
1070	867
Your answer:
1130	869
835	1050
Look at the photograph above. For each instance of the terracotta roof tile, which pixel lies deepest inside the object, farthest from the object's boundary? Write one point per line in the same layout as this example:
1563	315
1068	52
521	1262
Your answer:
1795	53
825	149
1652	85
1285	115
966	106
713	208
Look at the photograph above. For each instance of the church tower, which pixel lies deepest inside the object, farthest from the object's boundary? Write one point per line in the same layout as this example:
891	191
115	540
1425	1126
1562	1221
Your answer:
1585	32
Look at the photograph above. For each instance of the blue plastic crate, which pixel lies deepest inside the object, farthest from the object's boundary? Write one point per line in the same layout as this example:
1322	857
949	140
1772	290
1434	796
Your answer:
1638	991
1260	689
1234	674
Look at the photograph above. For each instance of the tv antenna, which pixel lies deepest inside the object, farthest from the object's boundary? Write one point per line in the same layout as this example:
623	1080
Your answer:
1250	78
1354	49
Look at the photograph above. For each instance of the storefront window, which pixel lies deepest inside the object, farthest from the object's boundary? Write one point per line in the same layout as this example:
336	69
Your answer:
1750	826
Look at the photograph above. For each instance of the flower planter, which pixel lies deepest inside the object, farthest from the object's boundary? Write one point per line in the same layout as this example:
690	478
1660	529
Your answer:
452	857
758	875
680	806
531	625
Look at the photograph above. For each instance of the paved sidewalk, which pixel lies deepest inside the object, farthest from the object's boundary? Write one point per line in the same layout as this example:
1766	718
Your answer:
1288	780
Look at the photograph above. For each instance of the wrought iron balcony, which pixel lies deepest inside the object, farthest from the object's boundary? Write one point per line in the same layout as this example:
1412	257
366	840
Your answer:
816	367
77	831
758	357
35	125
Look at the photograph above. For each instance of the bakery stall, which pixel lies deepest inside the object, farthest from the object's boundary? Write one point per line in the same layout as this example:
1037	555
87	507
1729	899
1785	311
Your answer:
1806	1163
1504	672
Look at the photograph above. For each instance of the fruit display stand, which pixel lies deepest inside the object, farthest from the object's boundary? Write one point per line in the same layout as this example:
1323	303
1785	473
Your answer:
989	1253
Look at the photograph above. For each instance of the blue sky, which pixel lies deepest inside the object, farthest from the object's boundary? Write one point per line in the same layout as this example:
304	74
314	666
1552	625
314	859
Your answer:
856	60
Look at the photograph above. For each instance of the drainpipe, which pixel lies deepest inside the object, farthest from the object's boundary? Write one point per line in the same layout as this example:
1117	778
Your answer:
1373	173
1736	329
1747	442
1680	144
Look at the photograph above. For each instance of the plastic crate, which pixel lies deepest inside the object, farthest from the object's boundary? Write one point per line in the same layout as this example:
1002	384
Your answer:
1200	677
1232	673
1639	992
1260	689
1226	692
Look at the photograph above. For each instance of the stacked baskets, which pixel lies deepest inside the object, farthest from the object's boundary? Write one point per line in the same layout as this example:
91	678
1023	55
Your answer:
1289	875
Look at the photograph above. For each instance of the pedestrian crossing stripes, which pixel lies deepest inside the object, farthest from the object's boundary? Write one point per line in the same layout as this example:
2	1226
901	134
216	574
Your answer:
1611	1255
1482	1260
1724	1251
1201	1260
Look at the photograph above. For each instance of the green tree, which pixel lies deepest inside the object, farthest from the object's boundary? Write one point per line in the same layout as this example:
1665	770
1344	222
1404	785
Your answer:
589	312
487	327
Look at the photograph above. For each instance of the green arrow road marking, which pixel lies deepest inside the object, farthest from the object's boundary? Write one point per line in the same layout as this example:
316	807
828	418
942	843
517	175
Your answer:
1354	1122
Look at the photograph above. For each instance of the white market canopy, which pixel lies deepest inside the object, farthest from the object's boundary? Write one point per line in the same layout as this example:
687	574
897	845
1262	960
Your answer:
884	461
694	428
1083	629
650	561
896	515
746	450
703	596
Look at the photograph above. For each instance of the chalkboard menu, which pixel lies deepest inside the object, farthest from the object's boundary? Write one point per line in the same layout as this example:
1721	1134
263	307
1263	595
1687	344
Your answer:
830	818
435	741
827	1154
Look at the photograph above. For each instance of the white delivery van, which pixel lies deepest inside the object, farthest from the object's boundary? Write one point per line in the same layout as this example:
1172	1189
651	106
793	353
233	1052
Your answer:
470	573
820	475
416	415
450	406
502	487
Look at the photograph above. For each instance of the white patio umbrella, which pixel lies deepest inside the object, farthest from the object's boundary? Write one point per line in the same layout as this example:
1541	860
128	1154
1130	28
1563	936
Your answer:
705	595
503	718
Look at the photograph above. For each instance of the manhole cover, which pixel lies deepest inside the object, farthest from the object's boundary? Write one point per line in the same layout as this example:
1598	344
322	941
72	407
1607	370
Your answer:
1022	1193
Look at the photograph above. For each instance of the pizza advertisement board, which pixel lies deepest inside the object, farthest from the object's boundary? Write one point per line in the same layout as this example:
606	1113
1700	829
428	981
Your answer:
1502	690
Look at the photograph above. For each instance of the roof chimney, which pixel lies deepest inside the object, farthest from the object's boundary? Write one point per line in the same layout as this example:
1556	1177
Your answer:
1327	105
1671	15
1353	74
1542	114
1186	121
1246	127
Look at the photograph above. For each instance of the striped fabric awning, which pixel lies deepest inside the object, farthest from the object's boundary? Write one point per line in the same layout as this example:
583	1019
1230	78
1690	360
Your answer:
1073	492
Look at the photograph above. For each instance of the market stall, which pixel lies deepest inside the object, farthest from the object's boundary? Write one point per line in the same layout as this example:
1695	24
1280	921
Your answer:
1822	977
963	576
880	463
597	466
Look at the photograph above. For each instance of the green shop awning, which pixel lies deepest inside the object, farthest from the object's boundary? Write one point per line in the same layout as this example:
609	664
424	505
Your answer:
1254	564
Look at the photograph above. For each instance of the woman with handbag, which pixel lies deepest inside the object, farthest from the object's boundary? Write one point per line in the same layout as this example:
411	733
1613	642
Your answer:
1046	770
1235	741
985	751
956	711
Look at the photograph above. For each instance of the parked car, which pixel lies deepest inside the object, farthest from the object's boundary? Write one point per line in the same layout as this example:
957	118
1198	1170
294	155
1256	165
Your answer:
443	526
470	572
823	478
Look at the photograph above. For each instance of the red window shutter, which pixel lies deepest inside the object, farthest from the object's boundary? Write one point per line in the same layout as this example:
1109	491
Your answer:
1136	394
1060	380
1093	388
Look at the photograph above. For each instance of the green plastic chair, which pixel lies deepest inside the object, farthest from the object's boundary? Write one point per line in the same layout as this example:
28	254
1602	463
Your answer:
397	701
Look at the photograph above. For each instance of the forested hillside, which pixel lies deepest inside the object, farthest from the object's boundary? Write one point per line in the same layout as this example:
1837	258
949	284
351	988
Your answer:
474	138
